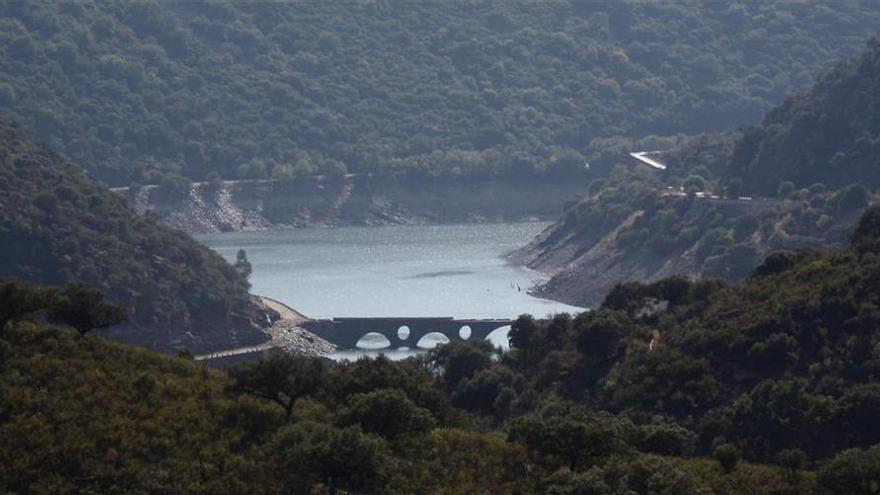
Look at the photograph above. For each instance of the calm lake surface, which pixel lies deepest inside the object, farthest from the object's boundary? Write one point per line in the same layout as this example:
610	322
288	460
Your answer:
447	270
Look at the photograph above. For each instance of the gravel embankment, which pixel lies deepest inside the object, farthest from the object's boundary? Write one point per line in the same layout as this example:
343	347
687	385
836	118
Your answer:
291	338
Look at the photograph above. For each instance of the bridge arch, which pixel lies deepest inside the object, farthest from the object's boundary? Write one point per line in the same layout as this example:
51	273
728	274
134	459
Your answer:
464	332
403	332
431	340
498	337
372	341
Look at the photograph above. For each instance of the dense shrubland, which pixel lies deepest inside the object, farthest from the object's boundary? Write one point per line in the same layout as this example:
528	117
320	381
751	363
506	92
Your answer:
676	387
148	90
58	227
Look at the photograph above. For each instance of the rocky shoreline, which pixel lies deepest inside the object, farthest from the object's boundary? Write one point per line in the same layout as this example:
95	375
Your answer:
293	339
284	333
355	200
584	268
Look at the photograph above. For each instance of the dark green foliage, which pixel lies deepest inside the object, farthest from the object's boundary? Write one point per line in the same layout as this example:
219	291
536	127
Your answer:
855	412
85	309
82	415
87	415
461	360
780	414
733	187
800	165
852	472
648	474
281	379
727	456
775	263
785	189
854	197
490	390
313	453
146	89
347	380
866	237
18	300
388	413
77	306
667	439
572	439
599	335
825	135
793	461
59	227
786	360
522	332
242	265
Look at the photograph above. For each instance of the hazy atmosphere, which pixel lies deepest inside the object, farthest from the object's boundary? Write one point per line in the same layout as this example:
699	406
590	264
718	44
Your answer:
482	247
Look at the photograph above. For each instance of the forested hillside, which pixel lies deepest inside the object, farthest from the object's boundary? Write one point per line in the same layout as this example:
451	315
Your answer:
57	227
786	360
96	417
798	180
672	388
629	226
148	90
828	135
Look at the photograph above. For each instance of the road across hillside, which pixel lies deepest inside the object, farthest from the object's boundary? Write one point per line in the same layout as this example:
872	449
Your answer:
643	157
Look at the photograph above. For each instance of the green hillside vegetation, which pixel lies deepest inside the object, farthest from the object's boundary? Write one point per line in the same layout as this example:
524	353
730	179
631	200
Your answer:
786	360
727	239
676	387
798	180
827	136
148	90
58	227
83	415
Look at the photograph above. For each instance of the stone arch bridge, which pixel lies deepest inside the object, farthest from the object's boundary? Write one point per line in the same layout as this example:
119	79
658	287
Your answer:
400	331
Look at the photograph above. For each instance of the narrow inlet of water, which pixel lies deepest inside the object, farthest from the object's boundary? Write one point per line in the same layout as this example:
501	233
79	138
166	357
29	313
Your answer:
446	270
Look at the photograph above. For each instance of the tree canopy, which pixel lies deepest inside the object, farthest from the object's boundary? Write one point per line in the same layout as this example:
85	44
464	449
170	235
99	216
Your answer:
825	135
674	387
139	90
59	227
798	180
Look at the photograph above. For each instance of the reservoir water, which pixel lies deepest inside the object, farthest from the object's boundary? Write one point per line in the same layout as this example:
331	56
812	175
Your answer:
446	270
